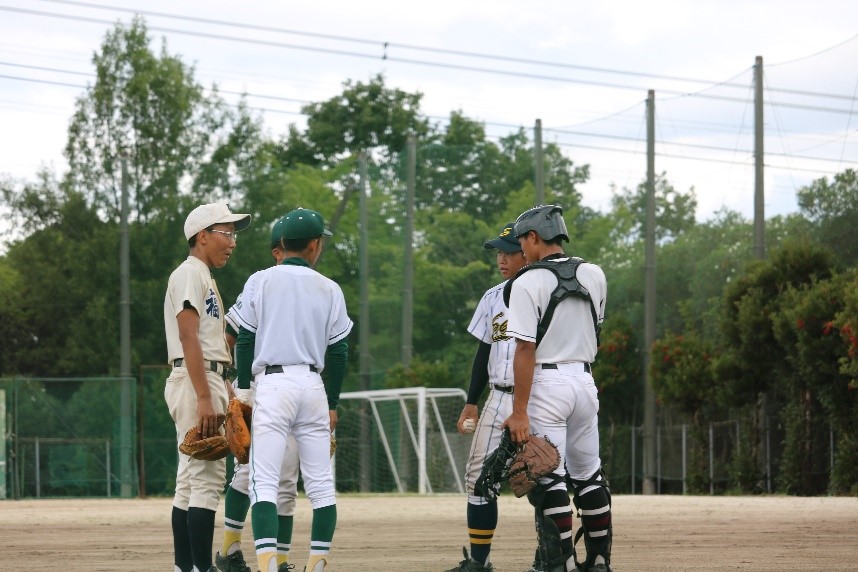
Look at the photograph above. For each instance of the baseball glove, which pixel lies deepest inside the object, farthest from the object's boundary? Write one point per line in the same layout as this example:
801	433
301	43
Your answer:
238	419
496	468
534	459
333	444
208	449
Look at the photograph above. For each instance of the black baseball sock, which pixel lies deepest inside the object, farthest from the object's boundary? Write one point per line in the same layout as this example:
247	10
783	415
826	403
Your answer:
482	520
201	523
181	543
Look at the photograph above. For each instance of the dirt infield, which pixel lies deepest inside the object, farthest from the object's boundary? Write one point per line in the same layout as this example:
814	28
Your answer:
394	532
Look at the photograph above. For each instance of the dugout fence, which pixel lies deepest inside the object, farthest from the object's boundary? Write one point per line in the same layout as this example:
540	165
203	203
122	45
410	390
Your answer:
62	439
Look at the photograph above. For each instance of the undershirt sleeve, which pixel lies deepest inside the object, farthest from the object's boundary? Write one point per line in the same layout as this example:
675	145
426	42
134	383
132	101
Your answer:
479	373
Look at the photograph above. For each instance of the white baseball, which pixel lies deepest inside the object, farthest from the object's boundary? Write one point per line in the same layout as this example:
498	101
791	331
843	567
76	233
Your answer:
469	425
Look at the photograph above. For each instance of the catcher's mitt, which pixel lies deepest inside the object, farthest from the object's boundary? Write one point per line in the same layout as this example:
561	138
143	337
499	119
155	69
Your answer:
535	458
238	419
496	468
208	449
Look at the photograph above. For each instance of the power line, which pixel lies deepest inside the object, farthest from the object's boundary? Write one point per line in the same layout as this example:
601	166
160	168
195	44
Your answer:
386	45
386	57
506	125
281	98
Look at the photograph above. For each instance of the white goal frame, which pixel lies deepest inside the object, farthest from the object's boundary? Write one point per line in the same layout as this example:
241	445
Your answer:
426	399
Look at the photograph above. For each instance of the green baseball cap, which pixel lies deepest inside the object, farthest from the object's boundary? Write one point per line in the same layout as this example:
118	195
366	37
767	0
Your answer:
277	231
303	223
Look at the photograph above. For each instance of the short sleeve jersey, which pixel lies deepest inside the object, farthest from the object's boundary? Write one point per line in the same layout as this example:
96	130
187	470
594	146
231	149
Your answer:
230	315
192	282
571	336
489	325
295	312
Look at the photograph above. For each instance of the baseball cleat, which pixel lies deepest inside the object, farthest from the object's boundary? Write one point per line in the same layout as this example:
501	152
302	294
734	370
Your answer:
471	565
231	563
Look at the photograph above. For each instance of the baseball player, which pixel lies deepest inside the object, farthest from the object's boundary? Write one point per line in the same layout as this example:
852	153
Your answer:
196	390
492	366
293	324
555	395
237	502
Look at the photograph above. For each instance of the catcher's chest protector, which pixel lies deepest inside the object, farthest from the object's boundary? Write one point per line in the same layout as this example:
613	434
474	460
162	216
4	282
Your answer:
567	285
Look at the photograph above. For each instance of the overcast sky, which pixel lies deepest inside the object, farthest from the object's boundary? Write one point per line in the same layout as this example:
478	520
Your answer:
583	68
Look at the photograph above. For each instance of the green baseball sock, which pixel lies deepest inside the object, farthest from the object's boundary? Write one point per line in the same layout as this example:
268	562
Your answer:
236	505
264	517
322	532
284	538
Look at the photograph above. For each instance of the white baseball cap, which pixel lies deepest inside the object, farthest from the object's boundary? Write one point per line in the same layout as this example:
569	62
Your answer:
205	216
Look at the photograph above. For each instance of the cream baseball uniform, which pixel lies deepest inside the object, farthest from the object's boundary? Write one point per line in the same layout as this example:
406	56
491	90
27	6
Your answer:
192	283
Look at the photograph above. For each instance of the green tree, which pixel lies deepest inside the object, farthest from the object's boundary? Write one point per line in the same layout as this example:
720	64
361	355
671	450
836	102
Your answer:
683	377
365	116
148	108
674	211
818	393
832	209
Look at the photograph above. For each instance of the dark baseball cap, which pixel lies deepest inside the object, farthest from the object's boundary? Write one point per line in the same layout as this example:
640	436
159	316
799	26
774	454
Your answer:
277	231
303	223
505	241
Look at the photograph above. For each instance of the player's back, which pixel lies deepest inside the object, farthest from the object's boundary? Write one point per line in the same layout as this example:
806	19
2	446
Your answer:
296	307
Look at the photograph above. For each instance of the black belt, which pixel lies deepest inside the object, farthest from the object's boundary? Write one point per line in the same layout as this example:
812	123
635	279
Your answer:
504	388
279	368
554	366
219	368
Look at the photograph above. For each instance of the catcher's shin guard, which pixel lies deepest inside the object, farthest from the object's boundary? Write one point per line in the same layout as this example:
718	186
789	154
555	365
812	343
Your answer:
592	498
550	550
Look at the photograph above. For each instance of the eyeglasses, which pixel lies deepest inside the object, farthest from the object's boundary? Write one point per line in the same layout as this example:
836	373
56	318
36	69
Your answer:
230	235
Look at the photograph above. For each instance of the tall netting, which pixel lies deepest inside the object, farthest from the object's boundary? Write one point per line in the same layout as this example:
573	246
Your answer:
66	437
401	440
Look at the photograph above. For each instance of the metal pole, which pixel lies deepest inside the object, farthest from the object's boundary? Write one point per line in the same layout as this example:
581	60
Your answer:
408	255
711	459
759	208
363	332
684	458
38	469
16	485
768	456
633	458
107	463
658	457
649	453
4	493
539	165
422	478
126	452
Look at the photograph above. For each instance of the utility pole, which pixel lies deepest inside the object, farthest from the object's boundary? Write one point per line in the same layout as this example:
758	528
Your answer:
126	452
538	162
363	332
649	444
759	192
408	255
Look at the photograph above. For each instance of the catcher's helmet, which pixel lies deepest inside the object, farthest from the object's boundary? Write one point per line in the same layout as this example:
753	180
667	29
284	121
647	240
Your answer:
546	220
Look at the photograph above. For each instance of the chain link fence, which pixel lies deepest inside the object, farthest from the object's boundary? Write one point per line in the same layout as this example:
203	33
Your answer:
62	438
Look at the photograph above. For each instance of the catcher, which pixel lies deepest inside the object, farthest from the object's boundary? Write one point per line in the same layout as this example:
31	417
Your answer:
556	306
